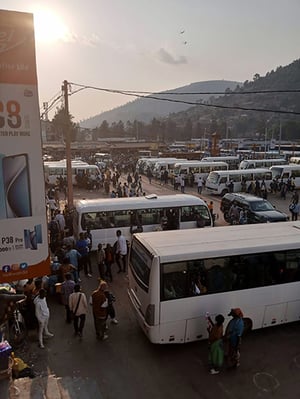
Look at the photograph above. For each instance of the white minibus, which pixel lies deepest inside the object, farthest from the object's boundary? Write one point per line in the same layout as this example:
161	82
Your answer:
218	181
168	165
261	163
294	160
53	170
233	161
105	216
287	172
197	169
255	269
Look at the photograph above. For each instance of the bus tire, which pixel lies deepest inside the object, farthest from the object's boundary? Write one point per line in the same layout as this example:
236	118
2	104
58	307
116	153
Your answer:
225	191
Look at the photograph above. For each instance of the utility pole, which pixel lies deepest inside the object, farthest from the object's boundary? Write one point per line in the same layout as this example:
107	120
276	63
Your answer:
68	146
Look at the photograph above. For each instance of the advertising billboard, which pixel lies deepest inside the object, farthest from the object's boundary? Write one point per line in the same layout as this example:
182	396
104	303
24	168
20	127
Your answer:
23	227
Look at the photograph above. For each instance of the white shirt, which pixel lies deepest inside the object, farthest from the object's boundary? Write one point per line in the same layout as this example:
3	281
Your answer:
41	308
122	245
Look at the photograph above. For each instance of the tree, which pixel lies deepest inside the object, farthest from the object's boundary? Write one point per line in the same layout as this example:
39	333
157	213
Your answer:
61	122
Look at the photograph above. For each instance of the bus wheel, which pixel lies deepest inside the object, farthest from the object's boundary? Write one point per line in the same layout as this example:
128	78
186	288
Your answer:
225	191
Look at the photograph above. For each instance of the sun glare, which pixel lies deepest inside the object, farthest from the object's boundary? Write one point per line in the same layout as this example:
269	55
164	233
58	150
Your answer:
49	27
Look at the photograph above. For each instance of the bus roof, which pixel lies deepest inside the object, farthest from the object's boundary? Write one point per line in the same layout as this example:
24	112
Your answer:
243	171
200	163
291	166
148	201
172	246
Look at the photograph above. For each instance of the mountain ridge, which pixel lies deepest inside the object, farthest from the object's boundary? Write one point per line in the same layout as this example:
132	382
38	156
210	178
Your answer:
145	109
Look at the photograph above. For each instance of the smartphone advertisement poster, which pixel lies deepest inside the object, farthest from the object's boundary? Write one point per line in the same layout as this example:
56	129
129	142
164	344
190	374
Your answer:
23	227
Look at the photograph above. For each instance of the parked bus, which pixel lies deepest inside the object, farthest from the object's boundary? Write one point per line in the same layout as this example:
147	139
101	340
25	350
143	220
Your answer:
261	163
287	172
105	216
233	161
53	171
144	163
256	269
103	158
196	169
218	181
165	165
295	160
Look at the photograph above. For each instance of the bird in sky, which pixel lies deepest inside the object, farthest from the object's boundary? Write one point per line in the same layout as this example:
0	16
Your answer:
181	32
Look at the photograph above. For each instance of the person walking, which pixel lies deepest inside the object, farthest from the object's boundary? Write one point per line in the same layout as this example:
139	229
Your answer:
110	308
182	184
121	252
42	314
99	303
233	336
109	259
67	289
82	248
101	261
215	339
74	257
200	185
78	306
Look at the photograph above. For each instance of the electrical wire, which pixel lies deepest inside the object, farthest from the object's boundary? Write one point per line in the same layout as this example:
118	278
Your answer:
136	94
152	96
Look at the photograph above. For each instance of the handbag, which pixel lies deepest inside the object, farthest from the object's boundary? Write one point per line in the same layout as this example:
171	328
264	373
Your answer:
292	207
75	311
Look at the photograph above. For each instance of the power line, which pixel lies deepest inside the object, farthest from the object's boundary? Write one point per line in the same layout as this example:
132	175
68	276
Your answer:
136	94
188	93
152	96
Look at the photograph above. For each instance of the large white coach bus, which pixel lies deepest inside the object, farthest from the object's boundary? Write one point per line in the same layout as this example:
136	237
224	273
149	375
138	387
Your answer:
105	216
255	269
218	181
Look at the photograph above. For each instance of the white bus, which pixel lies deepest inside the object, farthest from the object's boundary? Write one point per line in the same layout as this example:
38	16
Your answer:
166	164
218	181
233	161
236	266
144	163
197	169
261	163
105	216
287	172
294	160
54	169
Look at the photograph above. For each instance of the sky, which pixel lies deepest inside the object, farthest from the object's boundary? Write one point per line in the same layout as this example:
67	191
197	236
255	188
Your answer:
154	45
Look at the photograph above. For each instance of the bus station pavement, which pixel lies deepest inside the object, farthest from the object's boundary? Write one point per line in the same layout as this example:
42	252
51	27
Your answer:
127	366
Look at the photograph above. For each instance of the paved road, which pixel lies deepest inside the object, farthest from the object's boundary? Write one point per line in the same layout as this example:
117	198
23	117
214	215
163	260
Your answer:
127	366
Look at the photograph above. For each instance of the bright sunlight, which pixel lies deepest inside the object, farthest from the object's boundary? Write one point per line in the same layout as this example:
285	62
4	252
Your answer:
49	27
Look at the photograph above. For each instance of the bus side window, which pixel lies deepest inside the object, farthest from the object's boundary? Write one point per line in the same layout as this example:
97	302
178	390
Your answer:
223	180
169	290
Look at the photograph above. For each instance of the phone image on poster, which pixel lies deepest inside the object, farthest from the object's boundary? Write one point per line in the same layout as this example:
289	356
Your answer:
15	171
2	193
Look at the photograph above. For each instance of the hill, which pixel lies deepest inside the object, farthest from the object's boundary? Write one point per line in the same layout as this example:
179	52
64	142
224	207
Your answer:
235	123
145	110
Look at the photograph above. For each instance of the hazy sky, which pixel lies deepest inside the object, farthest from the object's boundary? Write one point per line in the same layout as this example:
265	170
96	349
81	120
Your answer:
155	45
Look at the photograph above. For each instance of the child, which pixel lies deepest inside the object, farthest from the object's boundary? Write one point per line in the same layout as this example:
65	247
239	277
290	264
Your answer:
110	309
